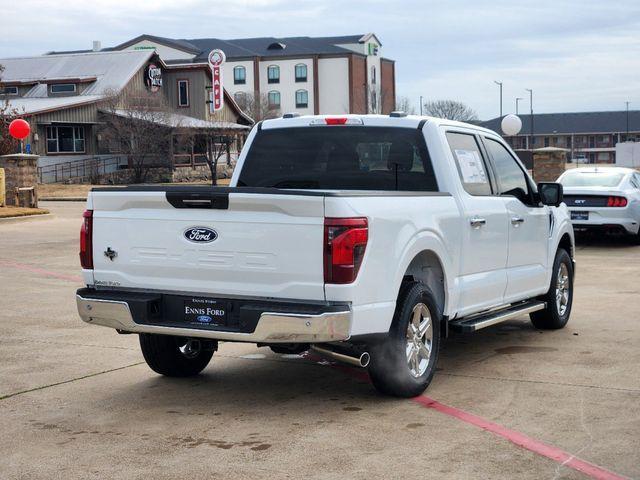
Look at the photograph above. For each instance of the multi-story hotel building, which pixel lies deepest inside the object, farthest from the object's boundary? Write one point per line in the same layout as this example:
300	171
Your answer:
309	75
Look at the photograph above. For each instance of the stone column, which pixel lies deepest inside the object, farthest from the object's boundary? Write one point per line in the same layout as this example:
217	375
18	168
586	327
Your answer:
549	163
20	170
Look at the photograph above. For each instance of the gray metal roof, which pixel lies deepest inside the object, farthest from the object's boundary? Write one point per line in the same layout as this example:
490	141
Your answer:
111	70
573	123
176	120
252	47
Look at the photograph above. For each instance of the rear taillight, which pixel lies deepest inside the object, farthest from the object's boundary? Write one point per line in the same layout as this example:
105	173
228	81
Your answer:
617	202
86	247
345	240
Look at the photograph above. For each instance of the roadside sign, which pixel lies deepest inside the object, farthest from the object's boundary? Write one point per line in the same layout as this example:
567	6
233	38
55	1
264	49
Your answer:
216	59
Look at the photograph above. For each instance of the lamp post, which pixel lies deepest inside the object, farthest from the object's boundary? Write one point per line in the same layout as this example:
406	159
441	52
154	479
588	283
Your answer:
627	139
420	105
531	114
500	85
517	100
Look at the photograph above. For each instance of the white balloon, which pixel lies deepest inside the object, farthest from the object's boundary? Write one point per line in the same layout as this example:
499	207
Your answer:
511	124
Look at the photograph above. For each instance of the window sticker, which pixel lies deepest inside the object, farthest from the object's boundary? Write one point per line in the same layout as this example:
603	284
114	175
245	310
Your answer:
471	166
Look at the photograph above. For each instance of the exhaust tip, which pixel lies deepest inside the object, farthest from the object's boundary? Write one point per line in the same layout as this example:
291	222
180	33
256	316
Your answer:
365	358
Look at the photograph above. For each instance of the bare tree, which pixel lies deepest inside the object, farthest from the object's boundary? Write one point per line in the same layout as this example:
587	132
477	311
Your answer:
138	125
8	144
256	105
451	110
219	139
375	100
403	104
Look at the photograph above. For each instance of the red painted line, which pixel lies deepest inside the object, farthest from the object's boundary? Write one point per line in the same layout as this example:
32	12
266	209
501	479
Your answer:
40	271
517	438
553	453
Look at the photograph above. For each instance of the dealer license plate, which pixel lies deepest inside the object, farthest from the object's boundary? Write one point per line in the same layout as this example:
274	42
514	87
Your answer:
579	215
205	311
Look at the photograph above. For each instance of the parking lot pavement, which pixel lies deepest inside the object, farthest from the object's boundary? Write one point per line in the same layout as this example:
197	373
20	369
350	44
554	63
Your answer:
77	401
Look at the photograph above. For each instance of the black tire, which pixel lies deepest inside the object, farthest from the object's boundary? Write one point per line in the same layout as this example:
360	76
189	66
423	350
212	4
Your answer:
552	318
163	355
389	368
635	239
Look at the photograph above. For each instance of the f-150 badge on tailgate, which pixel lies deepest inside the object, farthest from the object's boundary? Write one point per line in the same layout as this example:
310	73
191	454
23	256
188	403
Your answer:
200	234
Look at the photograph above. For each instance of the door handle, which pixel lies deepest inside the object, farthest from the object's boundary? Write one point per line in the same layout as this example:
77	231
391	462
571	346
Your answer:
516	221
477	222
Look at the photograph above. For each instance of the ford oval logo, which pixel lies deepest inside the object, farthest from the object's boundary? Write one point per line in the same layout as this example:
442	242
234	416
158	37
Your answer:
204	319
200	234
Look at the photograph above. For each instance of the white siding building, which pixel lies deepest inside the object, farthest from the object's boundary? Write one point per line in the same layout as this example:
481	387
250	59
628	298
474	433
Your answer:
321	75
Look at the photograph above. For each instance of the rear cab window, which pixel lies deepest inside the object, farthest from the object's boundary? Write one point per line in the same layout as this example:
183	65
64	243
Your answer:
591	179
339	158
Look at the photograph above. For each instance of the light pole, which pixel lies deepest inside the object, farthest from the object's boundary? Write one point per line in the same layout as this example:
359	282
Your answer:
531	115
500	84
627	139
517	100
420	105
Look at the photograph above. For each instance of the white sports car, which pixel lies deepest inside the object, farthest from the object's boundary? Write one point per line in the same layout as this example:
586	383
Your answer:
606	198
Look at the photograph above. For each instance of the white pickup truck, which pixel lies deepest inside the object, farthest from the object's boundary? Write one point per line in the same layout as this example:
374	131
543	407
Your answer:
363	238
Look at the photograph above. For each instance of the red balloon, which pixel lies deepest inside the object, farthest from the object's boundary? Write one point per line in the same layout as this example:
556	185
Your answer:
19	129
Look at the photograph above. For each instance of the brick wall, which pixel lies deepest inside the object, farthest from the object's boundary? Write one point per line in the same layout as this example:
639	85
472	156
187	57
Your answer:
387	86
358	86
548	166
20	170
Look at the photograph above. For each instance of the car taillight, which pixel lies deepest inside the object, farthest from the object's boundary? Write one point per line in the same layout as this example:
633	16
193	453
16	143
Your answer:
617	202
86	247
345	240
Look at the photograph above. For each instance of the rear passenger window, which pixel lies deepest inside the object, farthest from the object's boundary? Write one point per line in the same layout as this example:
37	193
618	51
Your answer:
511	177
471	167
339	158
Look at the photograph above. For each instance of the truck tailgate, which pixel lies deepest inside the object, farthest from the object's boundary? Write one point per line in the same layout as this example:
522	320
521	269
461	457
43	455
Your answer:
266	245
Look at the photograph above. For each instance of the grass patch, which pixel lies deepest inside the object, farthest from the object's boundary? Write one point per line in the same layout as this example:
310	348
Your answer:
58	190
8	212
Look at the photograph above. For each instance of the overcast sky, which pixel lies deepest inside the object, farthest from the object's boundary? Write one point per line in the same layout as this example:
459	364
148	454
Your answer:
577	55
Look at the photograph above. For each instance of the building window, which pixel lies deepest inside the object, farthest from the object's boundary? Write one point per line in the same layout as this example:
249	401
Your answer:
301	72
373	75
273	74
183	93
274	99
302	99
9	91
65	139
63	88
546	141
239	75
241	99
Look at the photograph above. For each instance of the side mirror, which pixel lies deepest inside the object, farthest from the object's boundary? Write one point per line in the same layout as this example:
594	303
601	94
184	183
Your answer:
551	193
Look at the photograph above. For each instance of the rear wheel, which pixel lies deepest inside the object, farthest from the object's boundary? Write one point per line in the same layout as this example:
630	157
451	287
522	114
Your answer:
176	356
559	298
404	363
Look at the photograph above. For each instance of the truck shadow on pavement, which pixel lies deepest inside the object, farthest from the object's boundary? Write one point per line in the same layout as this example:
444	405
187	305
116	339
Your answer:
257	382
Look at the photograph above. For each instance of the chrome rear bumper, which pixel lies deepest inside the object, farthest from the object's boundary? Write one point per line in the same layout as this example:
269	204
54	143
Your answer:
272	327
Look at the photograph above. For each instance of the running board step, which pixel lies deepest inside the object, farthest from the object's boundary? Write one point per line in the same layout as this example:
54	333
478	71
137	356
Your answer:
486	319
